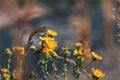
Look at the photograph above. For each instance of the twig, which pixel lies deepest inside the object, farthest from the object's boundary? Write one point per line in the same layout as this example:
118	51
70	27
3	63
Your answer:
32	34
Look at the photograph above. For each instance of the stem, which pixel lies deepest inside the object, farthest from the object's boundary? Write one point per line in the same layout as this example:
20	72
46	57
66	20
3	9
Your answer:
8	63
46	73
53	74
65	70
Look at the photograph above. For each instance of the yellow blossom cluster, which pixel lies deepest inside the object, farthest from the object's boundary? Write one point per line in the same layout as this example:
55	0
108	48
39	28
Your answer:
64	48
48	42
51	44
5	73
78	52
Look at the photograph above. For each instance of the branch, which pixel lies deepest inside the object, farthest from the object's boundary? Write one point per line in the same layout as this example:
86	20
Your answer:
32	34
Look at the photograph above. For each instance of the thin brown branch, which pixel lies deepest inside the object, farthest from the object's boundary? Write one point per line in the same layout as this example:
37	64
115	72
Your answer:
32	34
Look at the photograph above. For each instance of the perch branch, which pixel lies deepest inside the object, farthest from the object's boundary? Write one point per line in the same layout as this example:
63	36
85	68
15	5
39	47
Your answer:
32	34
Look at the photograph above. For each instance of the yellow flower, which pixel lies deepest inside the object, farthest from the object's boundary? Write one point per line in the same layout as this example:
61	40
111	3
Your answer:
32	47
5	76
96	56
75	52
51	44
46	50
4	70
64	48
51	33
46	38
7	49
19	49
78	44
80	51
98	73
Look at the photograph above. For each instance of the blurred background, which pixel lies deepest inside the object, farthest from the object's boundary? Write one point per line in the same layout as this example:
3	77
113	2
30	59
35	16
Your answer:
93	22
